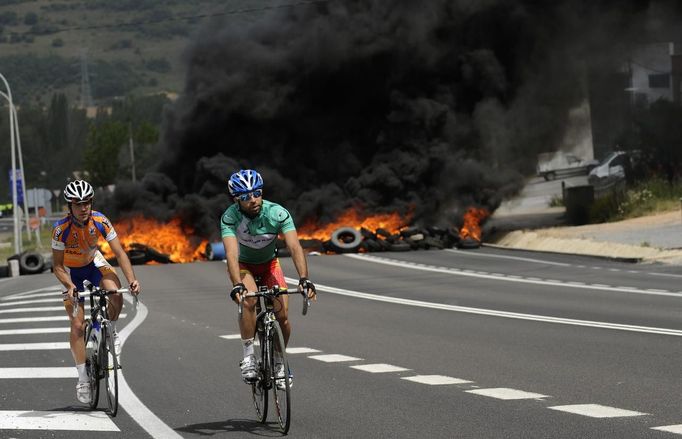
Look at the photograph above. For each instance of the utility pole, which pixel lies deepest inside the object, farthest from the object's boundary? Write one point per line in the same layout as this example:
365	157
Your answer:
86	94
132	148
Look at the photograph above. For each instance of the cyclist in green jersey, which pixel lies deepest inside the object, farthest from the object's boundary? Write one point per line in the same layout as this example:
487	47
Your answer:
249	228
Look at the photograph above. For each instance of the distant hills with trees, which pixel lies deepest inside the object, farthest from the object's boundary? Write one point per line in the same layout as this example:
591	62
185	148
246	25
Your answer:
126	46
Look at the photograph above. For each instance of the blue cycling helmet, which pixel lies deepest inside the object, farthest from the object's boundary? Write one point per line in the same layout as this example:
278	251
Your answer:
243	181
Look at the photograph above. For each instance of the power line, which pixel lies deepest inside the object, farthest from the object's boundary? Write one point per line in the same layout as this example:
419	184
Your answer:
179	18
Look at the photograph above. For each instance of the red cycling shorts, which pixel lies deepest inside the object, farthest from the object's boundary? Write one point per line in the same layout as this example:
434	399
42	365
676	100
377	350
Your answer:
270	273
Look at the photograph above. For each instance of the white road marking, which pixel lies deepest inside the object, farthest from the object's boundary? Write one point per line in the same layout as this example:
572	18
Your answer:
151	423
31	293
45	319
506	393
35	309
516	258
38	372
302	350
436	380
54	420
596	411
677	429
664	274
26	302
495	313
34	331
34	346
379	368
334	358
57	294
530	280
231	336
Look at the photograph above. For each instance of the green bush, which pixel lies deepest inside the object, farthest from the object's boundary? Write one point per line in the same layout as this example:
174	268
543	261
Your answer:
646	197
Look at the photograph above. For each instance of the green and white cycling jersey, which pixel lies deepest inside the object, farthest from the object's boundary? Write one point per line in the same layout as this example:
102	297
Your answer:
256	236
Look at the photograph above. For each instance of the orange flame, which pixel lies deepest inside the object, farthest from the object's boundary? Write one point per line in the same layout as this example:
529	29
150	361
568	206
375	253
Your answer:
392	222
170	238
472	223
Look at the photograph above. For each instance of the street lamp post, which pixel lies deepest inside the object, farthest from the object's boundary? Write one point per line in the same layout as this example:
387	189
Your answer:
17	235
21	161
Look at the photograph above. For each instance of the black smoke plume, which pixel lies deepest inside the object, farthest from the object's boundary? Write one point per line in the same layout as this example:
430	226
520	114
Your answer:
391	105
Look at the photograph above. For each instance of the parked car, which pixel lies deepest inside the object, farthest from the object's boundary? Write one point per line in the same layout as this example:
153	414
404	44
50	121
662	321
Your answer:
613	167
552	165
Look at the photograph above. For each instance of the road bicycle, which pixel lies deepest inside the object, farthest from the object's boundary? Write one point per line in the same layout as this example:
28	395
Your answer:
101	361
271	353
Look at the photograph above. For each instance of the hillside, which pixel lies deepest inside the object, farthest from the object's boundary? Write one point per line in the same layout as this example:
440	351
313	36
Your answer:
131	46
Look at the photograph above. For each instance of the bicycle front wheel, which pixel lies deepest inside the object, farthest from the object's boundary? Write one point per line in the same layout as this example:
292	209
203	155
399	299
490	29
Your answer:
282	388
92	364
111	370
259	389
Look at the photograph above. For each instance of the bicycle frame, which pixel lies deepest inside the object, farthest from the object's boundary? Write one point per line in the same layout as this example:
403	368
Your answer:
272	353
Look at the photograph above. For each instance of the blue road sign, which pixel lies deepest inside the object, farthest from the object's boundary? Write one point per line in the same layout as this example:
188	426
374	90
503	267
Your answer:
20	185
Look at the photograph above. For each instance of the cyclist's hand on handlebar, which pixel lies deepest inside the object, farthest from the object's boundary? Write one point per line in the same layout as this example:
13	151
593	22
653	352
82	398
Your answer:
305	285
135	287
237	291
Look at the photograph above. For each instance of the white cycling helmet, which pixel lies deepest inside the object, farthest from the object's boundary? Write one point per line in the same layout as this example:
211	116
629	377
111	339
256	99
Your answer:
78	191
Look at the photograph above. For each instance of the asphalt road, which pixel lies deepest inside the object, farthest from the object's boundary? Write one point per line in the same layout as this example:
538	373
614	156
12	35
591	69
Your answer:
436	344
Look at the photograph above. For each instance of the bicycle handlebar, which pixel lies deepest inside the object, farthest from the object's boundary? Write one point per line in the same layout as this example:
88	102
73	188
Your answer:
97	291
274	293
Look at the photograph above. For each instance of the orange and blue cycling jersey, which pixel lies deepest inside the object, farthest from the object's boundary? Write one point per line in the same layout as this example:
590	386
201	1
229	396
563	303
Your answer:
79	244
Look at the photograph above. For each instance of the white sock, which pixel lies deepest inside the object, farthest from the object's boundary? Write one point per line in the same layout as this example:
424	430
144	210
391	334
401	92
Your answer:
82	373
248	346
112	325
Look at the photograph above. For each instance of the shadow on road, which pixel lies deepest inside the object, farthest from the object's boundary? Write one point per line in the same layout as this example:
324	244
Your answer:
270	429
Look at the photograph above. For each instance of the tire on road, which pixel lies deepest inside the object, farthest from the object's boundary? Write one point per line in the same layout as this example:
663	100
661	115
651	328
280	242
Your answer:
400	246
345	240
31	263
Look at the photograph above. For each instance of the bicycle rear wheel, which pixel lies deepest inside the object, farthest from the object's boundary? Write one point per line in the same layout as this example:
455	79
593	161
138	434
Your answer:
92	363
259	389
111	370
282	388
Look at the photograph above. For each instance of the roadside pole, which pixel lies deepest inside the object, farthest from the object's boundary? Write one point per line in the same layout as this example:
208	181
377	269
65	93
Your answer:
17	232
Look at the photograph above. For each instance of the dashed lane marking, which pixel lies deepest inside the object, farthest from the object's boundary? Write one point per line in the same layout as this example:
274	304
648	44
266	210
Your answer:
436	380
231	336
506	393
334	358
515	258
34	346
484	275
596	411
379	368
302	350
54	420
677	429
34	331
38	372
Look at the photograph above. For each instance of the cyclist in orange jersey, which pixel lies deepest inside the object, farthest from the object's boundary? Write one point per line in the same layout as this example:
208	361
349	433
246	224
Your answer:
74	246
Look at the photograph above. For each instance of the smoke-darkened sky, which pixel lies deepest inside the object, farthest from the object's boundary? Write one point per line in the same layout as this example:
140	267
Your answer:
388	104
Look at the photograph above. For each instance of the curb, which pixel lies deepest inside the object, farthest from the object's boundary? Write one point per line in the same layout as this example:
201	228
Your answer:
602	257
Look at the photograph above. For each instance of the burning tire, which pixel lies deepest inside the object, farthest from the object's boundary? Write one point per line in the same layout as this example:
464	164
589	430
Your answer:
137	257
345	240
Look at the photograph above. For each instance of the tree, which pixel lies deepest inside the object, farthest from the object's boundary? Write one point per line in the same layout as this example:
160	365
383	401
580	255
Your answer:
100	158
